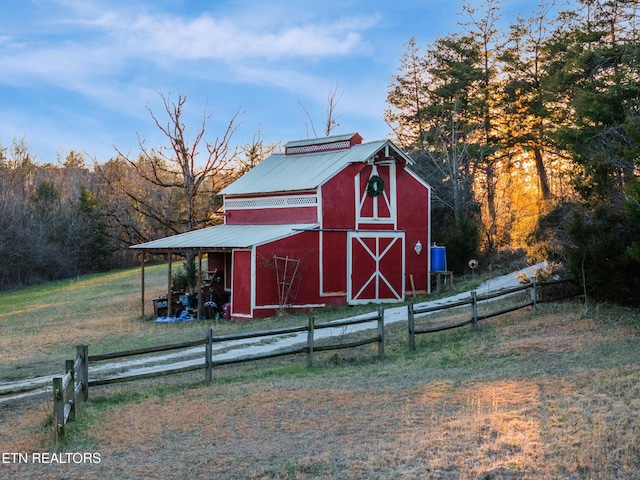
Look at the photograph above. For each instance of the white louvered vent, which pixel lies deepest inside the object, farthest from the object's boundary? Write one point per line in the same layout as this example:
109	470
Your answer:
317	148
271	202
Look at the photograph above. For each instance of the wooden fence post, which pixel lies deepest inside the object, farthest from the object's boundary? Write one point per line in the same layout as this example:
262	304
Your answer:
381	332
533	295
412	328
82	352
58	406
208	352
474	309
310	327
69	394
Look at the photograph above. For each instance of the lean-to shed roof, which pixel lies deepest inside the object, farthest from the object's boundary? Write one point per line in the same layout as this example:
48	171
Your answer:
223	237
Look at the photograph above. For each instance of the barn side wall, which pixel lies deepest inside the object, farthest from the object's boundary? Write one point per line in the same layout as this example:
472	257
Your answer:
301	247
272	216
338	213
413	218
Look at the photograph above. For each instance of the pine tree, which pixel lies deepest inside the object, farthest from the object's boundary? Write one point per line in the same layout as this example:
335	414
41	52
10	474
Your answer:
407	97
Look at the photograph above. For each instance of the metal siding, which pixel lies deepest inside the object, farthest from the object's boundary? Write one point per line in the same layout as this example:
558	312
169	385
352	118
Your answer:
413	218
303	248
272	216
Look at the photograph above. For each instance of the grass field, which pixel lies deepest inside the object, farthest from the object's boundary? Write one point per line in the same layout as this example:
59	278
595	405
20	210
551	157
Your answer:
556	395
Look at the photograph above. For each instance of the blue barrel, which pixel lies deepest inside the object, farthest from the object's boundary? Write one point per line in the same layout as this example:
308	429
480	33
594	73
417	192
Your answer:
438	259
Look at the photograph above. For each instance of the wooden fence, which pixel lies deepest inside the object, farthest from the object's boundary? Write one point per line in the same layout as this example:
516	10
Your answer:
71	388
473	301
66	393
68	388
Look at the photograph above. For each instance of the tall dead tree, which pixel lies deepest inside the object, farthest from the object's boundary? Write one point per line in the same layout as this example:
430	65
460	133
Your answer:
331	121
332	102
194	169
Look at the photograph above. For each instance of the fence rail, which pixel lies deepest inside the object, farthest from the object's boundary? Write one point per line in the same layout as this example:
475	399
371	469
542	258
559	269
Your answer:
143	351
473	301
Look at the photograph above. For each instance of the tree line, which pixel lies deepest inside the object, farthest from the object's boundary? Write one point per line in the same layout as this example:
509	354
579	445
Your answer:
77	216
529	135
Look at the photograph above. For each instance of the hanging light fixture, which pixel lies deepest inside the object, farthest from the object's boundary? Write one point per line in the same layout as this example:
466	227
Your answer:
418	247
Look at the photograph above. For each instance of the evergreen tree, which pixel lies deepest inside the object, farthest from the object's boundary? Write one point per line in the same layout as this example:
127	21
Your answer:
452	125
407	97
482	27
95	243
524	99
594	70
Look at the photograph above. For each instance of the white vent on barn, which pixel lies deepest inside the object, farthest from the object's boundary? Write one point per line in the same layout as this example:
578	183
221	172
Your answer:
271	202
323	144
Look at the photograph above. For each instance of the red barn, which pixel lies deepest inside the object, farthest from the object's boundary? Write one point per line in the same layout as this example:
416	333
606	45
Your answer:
329	221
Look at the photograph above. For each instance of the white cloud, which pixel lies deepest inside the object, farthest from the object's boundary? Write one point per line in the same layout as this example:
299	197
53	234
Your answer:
230	35
92	46
206	37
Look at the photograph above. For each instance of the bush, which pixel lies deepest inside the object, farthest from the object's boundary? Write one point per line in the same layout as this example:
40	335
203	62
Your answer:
462	240
599	254
184	278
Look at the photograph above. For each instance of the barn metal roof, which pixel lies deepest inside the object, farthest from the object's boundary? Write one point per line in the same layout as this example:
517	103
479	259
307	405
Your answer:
285	173
223	237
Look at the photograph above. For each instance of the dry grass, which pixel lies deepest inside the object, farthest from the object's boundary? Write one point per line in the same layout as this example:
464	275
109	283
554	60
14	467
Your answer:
41	325
551	396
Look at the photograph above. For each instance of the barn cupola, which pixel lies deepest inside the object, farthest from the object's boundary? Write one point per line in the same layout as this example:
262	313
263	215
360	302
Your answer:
322	144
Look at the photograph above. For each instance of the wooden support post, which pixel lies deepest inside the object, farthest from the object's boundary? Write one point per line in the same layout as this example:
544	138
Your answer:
169	300
381	332
208	353
58	406
412	328
310	327
82	351
69	396
474	309
142	260
533	295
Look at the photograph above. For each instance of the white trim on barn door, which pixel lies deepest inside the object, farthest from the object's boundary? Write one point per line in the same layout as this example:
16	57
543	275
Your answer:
377	278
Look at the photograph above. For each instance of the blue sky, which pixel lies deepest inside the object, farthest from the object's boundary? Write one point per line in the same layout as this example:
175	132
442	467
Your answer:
80	74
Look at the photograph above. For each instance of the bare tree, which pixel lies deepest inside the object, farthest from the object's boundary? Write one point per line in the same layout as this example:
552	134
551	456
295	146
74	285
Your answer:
254	152
306	112
332	102
176	167
331	121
